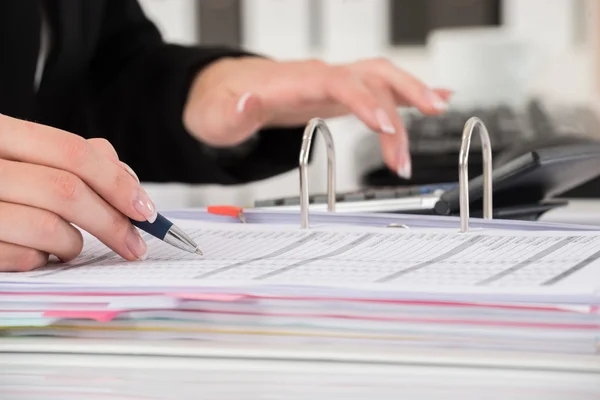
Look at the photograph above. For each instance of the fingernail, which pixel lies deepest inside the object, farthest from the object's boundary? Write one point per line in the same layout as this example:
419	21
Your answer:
436	101
384	121
241	105
144	206
404	166
136	244
449	92
131	172
405	170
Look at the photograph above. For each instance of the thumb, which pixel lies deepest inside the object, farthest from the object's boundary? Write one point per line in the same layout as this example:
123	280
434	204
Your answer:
249	116
224	118
237	118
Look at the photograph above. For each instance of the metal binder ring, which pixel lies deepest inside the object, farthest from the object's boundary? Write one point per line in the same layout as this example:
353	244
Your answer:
313	125
463	174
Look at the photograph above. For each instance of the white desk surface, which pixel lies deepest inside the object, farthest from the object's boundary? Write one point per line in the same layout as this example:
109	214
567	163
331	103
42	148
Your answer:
258	371
442	357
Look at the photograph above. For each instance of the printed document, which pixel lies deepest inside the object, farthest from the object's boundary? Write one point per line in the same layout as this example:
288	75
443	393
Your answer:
239	254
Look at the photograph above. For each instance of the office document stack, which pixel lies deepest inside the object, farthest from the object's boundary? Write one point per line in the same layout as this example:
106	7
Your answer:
336	296
287	304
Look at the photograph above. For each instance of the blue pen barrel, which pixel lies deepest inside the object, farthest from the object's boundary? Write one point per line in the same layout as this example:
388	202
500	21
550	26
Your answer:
158	228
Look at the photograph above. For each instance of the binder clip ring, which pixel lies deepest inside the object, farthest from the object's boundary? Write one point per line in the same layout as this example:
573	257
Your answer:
314	125
463	173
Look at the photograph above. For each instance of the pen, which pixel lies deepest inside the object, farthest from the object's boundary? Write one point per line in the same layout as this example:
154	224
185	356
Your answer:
166	231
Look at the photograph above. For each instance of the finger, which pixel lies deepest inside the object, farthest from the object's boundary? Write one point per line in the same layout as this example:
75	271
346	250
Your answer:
228	120
406	86
248	116
15	258
327	110
104	147
64	194
396	155
346	88
403	101
39	229
445	94
395	148
42	145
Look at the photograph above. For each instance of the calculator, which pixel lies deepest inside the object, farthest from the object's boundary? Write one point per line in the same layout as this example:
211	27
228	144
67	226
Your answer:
523	188
380	199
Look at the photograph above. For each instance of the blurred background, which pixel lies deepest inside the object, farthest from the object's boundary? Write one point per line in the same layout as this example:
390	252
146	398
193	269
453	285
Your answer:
490	52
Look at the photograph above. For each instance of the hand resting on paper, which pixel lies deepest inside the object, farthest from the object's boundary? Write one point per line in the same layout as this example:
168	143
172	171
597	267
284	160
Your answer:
51	178
234	97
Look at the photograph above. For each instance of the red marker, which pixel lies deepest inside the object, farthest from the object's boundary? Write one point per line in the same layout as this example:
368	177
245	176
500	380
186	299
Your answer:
228	211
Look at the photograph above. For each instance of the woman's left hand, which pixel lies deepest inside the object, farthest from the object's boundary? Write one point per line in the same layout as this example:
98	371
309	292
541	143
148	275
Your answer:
233	98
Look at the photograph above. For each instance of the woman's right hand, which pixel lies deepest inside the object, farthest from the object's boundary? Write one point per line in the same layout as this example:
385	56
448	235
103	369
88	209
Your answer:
51	179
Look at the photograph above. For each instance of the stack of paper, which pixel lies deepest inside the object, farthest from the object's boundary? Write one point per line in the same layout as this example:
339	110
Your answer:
334	311
535	291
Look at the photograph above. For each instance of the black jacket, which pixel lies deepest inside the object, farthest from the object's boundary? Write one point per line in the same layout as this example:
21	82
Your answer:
110	75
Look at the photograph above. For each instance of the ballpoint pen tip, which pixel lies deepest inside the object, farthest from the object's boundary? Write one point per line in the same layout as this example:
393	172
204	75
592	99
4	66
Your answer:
199	252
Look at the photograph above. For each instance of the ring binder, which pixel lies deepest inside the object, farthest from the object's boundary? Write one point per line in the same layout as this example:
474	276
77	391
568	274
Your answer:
463	173
313	125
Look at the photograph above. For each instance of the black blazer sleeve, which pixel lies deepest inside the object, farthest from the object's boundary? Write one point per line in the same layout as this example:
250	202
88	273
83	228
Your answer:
135	94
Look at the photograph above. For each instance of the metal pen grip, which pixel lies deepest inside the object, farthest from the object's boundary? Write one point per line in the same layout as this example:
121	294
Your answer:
314	125
463	173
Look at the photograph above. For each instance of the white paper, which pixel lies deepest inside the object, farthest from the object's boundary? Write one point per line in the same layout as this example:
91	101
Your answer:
348	257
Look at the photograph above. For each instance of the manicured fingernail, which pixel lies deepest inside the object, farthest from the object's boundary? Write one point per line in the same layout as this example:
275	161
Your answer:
448	92
404	165
144	206
131	172
241	105
436	101
384	121
136	244
405	170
